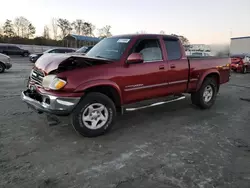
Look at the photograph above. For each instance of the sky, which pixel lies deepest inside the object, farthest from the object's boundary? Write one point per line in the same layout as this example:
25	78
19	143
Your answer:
202	22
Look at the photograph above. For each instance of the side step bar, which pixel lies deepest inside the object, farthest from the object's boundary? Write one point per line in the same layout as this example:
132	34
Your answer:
155	104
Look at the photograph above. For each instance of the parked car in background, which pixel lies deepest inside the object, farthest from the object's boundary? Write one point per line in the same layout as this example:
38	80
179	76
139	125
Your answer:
33	57
83	50
5	62
122	73
10	49
240	63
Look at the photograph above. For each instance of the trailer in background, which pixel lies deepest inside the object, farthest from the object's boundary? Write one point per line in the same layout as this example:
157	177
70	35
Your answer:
240	45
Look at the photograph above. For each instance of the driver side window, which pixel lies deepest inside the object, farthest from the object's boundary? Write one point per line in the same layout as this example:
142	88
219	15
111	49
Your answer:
149	49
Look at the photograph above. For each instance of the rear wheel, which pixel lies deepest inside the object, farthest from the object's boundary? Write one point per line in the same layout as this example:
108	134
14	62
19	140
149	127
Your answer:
206	95
2	67
94	115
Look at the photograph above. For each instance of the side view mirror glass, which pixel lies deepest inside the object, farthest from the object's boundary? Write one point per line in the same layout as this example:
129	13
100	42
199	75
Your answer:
134	58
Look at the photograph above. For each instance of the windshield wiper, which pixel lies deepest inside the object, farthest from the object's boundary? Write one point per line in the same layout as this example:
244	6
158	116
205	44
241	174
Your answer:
101	57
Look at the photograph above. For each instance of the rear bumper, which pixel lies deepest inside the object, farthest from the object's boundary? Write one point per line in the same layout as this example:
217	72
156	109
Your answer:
61	106
236	68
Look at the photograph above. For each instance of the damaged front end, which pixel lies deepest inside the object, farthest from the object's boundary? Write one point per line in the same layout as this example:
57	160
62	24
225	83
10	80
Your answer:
43	93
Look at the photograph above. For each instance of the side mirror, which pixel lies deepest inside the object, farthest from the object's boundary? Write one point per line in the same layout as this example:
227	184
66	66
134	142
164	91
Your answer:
135	58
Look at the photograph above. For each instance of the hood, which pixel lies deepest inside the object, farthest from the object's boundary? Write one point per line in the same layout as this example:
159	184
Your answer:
3	55
51	62
36	54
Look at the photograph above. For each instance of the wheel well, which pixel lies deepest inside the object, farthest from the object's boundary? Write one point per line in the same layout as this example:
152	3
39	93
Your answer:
109	91
3	64
216	77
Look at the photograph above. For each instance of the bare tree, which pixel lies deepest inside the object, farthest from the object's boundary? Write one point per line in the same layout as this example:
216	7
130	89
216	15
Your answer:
46	32
78	26
54	28
17	25
65	27
1	30
162	32
105	31
183	39
141	32
23	27
88	29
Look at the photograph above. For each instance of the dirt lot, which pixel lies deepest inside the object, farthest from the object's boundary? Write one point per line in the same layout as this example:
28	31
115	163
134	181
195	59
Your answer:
175	145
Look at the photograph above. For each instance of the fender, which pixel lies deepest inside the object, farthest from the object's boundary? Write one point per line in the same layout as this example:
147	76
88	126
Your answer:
86	85
204	75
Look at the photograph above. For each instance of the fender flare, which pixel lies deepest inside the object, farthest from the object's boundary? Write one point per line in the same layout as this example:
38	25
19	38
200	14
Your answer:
87	85
204	75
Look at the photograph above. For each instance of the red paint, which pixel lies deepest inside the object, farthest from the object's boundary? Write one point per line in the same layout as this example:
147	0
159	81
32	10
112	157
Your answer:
135	81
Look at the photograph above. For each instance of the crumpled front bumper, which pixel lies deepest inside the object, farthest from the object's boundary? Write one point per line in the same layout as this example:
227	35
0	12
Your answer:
61	106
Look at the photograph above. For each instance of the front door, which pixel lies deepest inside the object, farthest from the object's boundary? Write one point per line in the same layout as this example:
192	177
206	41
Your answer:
148	79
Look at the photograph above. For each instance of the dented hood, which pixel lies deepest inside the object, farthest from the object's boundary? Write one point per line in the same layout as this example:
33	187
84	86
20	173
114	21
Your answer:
51	62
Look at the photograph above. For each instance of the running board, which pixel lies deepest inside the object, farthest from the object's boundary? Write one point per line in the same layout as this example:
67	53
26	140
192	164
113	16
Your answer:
155	104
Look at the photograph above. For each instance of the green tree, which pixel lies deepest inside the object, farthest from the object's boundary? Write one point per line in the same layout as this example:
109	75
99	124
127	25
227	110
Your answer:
8	29
31	31
88	29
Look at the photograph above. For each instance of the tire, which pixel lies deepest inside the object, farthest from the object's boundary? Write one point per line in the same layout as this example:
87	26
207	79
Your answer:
197	98
88	128
244	70
2	67
25	54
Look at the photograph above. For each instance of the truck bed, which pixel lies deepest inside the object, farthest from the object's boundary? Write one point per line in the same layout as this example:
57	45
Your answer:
199	65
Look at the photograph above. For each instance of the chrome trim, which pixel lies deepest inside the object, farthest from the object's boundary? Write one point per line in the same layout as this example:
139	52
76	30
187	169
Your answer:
155	104
193	79
178	82
145	87
157	85
55	103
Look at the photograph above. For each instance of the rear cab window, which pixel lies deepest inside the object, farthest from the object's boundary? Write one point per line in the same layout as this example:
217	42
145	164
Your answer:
173	49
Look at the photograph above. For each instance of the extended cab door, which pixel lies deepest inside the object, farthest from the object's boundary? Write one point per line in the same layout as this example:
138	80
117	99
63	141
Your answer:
178	68
145	80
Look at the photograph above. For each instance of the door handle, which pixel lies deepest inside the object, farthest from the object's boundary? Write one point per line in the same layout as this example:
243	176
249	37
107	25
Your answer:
161	67
172	66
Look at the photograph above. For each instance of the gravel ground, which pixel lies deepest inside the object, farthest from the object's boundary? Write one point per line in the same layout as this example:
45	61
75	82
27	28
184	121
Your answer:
175	145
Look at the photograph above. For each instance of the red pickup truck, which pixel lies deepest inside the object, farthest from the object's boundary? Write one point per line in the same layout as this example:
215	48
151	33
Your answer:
122	73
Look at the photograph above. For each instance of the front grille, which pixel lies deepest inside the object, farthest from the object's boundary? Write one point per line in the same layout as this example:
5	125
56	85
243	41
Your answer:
37	76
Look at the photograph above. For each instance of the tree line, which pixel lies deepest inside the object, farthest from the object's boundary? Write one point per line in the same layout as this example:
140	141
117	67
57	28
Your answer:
22	31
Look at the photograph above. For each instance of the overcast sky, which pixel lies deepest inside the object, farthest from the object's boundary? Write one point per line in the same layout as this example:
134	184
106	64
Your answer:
200	21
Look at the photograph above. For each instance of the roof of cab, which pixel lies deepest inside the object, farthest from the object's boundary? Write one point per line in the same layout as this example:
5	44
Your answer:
144	35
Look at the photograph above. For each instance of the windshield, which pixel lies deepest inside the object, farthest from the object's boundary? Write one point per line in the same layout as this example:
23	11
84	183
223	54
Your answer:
47	51
84	49
109	48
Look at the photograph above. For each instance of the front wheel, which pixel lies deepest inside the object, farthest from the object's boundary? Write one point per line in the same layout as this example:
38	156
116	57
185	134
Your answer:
2	67
206	95
94	115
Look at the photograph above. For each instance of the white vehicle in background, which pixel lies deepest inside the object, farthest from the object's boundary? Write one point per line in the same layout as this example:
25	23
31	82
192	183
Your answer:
5	62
